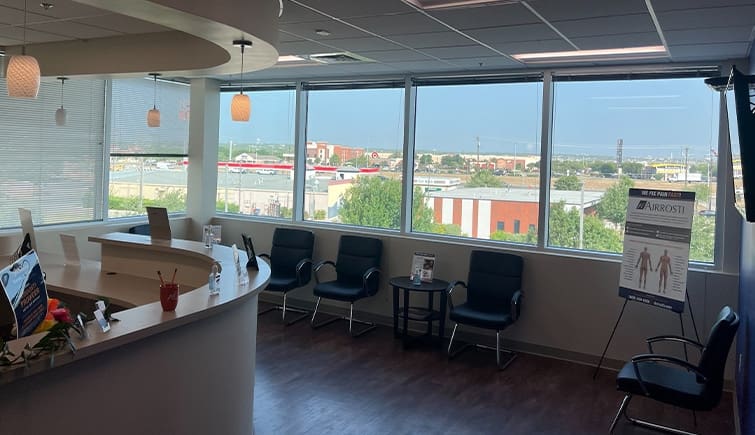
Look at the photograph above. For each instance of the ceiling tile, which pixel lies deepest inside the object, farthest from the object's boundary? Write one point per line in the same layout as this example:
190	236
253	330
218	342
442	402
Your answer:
399	24
369	43
337	30
15	16
66	9
488	16
606	25
559	10
32	36
74	30
293	13
542	46
709	51
709	35
303	47
395	55
710	17
123	24
618	41
504	35
473	63
460	52
423	66
431	39
669	5
357	8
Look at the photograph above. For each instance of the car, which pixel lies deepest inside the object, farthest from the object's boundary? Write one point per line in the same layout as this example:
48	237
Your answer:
707	213
237	170
265	171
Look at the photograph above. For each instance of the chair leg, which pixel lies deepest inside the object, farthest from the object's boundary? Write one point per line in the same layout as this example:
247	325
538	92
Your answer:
284	308
498	350
351	319
642	423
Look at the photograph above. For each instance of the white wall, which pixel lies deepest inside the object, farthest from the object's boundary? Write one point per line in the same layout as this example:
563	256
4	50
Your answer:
570	304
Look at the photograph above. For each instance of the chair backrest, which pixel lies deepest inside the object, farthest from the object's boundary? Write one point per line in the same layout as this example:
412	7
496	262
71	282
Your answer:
355	256
290	246
716	350
493	278
140	229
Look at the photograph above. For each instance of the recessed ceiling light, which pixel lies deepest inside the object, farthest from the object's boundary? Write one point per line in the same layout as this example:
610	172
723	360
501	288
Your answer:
592	55
290	58
322	32
448	4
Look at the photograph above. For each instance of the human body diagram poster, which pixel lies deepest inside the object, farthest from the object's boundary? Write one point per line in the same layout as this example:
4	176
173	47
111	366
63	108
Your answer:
24	286
656	247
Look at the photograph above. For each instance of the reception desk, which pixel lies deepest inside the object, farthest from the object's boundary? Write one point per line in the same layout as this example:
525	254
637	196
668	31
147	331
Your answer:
185	372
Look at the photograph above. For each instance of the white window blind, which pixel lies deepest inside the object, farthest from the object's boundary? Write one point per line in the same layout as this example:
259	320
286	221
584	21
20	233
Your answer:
129	133
56	172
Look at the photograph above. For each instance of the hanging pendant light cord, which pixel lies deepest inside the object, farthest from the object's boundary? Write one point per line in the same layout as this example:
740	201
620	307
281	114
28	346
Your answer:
242	69
62	83
23	47
154	100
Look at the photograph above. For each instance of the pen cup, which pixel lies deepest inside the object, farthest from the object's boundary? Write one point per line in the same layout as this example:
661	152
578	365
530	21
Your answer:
169	296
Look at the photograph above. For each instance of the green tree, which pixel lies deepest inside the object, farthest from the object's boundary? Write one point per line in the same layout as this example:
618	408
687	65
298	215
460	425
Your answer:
426	159
529	238
232	208
455	161
702	192
703	238
634	168
570	182
484	178
605	168
613	205
564	231
319	215
359	162
335	160
376	202
171	199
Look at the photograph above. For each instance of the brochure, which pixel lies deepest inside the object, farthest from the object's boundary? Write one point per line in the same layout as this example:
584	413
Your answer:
24	286
423	263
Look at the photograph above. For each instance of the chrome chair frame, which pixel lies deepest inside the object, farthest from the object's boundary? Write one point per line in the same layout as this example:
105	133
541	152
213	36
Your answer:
515	301
284	308
369	325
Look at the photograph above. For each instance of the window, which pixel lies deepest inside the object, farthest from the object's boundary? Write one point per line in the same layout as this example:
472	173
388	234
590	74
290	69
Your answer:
611	135
477	153
256	158
56	172
147	164
517	224
354	155
500	226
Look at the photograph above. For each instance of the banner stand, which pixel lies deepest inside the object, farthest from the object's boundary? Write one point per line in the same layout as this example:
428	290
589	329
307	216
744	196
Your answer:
621	314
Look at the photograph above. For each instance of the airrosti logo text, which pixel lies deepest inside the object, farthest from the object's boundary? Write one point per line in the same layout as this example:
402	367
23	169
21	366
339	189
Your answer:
660	207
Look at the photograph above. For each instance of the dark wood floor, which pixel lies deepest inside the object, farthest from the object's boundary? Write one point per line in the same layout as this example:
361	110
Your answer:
325	382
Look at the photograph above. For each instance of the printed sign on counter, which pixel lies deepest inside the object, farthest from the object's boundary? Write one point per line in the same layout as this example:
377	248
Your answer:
24	286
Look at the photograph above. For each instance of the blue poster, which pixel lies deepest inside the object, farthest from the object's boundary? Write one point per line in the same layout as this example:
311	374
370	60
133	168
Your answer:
24	285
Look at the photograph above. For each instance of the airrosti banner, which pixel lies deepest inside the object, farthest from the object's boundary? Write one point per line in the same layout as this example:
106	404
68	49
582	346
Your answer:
656	247
24	286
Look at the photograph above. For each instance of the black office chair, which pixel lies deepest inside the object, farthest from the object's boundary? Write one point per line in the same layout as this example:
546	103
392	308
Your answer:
494	299
675	381
357	277
140	229
290	261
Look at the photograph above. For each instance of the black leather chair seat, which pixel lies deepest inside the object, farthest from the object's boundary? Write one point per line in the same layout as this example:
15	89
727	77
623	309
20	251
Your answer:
686	391
282	283
470	316
339	291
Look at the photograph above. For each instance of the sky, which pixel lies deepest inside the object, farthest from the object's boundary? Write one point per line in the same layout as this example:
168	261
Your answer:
657	118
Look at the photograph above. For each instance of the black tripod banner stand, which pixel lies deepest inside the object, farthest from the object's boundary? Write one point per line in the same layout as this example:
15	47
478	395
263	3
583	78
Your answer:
621	314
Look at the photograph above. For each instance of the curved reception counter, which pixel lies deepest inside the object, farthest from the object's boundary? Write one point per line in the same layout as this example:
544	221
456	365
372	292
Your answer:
190	371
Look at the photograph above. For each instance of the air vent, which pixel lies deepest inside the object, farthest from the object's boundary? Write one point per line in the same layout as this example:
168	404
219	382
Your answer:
342	57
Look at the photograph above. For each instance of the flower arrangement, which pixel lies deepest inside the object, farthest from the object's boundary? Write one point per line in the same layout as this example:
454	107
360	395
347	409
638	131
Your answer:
57	324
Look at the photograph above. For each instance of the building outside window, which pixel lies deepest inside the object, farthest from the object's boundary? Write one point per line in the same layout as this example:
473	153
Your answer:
256	158
612	135
147	164
479	144
354	147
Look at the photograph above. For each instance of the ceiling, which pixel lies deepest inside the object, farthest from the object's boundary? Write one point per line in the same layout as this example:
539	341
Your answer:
398	38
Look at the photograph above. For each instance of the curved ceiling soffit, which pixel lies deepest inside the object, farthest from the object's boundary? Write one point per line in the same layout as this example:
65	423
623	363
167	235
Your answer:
201	44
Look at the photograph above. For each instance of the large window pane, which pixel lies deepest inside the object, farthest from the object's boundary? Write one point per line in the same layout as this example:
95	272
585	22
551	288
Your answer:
55	171
609	136
256	158
148	164
354	153
477	161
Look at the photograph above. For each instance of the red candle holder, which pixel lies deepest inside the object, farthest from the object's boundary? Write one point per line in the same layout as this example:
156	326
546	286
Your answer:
169	296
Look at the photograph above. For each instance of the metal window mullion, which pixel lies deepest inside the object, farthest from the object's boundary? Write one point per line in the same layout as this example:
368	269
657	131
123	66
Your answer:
410	112
300	151
107	107
546	135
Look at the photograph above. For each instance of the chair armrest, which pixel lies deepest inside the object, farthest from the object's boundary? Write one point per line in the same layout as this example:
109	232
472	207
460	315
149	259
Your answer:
265	256
299	266
450	290
516	305
319	266
667	359
675	338
367	275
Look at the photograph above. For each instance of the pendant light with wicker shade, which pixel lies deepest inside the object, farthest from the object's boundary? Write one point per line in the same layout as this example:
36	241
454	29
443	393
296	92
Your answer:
241	106
23	75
